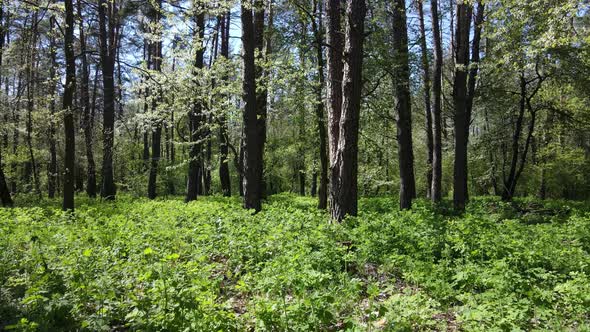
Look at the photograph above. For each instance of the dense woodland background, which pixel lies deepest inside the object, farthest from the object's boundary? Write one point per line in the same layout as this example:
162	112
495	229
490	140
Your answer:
324	98
207	146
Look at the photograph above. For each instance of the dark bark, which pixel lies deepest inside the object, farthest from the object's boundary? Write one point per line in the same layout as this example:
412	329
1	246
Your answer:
52	166
241	165
319	109
475	57
401	77
88	119
207	159
461	117
300	170
314	184
427	105
253	144
157	131
15	136
68	108
346	161
224	175
31	165
195	117
335	40
4	191
436	107
107	18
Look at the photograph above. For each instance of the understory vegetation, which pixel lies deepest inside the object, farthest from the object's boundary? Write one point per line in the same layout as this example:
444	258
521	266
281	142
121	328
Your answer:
209	265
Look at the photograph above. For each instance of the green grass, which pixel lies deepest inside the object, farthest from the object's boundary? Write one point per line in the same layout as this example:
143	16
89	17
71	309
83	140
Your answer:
211	266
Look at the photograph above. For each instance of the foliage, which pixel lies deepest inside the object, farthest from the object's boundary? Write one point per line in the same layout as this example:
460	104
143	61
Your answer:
211	266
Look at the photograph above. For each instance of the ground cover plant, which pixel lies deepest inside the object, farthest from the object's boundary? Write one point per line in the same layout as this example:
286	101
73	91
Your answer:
143	265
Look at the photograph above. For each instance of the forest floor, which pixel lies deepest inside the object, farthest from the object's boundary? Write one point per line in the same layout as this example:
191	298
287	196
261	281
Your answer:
210	266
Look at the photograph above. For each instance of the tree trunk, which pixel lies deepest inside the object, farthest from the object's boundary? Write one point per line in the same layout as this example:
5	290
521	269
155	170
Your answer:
427	106
88	119
401	73
52	166
300	171
346	161
461	117
31	165
4	192
157	133
224	176
319	110
253	144
195	117
436	107
68	107
108	44
335	41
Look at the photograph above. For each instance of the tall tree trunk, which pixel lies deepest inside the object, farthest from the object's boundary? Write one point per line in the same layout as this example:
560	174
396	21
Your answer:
335	41
401	74
436	107
319	108
88	120
224	176
68	107
461	117
346	161
253	144
195	117
157	131
15	135
300	171
108	45
427	106
52	166
4	192
31	165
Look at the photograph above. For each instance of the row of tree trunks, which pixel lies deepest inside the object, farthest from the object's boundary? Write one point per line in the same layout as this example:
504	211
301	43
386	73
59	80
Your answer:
401	79
345	162
254	53
195	118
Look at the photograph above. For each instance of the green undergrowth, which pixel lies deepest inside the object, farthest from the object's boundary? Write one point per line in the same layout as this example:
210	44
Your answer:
165	265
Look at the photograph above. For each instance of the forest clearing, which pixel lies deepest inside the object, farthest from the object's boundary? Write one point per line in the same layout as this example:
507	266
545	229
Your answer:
164	265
